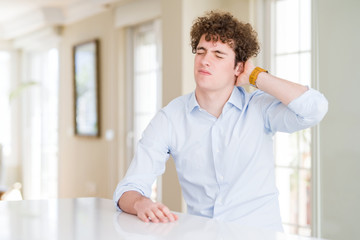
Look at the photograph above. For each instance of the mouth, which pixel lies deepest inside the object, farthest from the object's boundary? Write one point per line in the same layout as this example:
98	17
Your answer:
204	72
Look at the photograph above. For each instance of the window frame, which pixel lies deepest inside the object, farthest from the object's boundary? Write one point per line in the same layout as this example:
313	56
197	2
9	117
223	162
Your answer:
131	31
262	17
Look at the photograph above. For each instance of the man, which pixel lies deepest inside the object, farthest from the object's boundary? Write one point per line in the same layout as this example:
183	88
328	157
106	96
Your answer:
220	136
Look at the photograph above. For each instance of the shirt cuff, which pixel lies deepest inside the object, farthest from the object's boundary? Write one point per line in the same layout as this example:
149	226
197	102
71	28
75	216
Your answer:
311	104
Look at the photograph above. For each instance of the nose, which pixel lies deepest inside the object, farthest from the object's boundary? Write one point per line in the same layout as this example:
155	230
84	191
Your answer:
205	60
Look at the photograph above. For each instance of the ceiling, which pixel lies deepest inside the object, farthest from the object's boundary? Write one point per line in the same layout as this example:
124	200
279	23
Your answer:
19	17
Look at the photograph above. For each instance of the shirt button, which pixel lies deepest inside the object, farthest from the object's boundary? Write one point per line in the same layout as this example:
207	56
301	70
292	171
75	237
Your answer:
221	177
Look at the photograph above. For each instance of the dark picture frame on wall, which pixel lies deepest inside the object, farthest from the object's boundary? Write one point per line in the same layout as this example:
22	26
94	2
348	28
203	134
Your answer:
86	89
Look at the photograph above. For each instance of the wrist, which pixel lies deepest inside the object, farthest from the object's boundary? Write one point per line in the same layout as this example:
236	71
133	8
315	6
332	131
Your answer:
254	75
249	71
139	201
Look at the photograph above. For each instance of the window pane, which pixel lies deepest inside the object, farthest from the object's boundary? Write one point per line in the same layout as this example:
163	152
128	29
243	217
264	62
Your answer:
5	120
293	150
147	82
287	182
145	97
287	26
305	198
304	139
292	61
6	177
305	69
287	67
40	125
140	123
305	25
286	150
50	124
145	52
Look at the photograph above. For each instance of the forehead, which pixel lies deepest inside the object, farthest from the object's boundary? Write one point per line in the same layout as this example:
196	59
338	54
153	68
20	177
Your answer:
214	44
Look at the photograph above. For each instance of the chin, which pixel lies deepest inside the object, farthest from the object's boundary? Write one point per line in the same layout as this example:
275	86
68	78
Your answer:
202	83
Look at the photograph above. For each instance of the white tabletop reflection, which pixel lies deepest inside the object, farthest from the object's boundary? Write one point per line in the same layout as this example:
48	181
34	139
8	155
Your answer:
95	218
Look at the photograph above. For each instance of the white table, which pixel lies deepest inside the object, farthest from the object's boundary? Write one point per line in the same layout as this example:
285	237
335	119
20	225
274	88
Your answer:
95	218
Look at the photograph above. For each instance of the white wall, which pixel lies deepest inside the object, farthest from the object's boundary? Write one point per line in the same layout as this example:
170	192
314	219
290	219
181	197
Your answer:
88	166
339	51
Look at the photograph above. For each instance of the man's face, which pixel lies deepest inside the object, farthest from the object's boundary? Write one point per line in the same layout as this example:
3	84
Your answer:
214	66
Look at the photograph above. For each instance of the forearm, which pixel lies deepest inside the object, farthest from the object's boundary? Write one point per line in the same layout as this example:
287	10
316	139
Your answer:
307	106
127	201
281	89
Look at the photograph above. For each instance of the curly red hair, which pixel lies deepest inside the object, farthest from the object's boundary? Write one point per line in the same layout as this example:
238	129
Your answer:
217	25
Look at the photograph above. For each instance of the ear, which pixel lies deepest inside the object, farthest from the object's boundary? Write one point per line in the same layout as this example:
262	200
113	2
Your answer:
239	68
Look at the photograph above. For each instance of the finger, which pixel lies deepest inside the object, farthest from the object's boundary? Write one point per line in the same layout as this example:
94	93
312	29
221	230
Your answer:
167	213
152	217
176	217
160	215
143	217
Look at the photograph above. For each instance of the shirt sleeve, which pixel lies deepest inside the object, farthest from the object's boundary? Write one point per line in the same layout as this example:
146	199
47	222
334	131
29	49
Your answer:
303	112
149	161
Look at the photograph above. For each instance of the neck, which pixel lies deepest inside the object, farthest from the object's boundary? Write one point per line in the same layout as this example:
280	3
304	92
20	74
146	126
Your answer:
213	102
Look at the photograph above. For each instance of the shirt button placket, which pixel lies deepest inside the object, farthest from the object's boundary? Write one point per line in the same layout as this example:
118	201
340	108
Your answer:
216	141
216	150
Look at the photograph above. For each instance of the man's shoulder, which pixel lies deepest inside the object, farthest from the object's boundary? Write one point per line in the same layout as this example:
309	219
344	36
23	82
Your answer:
257	98
179	104
258	95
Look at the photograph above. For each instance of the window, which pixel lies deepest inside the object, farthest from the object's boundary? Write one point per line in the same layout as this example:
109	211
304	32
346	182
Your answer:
40	124
5	119
29	122
145	84
291	60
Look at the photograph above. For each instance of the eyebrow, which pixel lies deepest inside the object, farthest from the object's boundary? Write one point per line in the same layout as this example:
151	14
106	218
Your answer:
216	51
220	52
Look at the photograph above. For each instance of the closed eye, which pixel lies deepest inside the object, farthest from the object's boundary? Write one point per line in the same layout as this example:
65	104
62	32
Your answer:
200	50
220	54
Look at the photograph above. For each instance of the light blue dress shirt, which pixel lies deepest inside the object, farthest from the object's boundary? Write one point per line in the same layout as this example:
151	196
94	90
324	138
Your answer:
225	165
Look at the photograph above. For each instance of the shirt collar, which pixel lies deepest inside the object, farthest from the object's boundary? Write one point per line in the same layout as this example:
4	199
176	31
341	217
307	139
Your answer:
236	99
192	102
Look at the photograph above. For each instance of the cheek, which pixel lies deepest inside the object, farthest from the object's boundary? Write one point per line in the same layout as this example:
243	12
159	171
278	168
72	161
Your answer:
228	69
197	60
